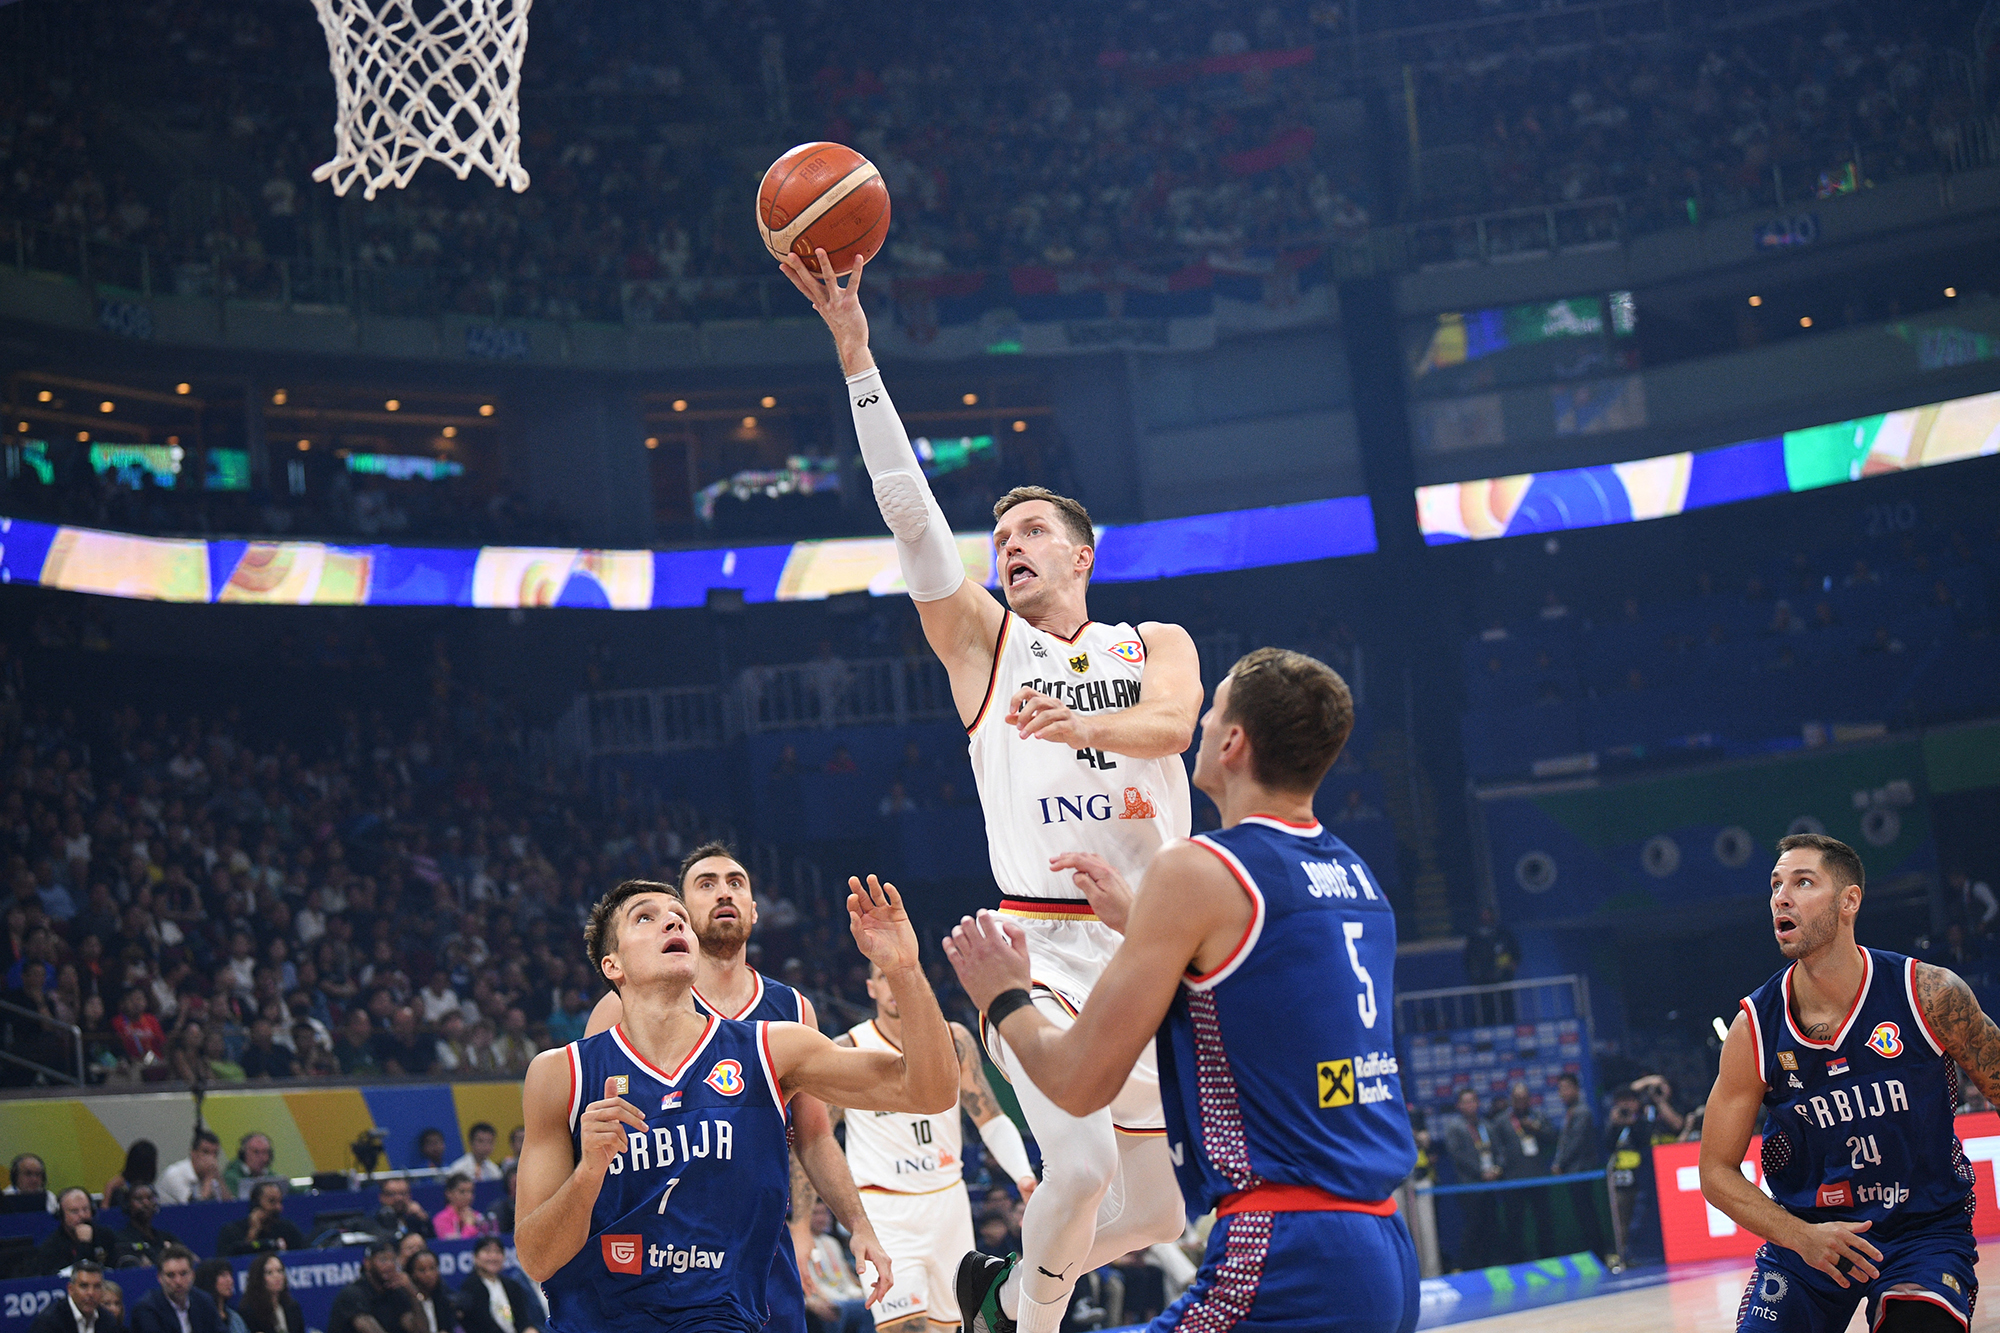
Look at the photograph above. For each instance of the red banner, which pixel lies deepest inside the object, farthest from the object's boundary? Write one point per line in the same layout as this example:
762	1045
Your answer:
1694	1230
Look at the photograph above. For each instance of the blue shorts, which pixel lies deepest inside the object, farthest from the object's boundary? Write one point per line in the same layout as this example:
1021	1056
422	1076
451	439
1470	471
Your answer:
1277	1272
783	1292
1786	1295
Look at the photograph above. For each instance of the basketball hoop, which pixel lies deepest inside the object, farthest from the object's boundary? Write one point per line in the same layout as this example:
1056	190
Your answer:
447	88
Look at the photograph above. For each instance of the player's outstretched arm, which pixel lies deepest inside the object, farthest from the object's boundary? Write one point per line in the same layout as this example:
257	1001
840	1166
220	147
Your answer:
923	1076
1162	722
555	1193
1968	1036
961	619
1192	912
1735	1107
977	1102
817	1155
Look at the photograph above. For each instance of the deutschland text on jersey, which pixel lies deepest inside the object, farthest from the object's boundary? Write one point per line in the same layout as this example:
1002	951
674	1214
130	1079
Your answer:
683	1230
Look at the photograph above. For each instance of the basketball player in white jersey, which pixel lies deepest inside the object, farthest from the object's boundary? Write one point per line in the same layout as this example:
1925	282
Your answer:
715	889
1076	731
910	1172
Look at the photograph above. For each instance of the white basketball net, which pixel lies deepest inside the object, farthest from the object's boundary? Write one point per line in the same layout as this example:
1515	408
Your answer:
446	88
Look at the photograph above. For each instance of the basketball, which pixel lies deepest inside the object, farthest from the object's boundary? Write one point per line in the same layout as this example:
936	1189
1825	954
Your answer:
823	196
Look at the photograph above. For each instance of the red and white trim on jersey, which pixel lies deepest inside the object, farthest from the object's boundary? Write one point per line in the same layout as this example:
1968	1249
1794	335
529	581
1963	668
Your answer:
1209	980
756	998
1048	909
625	1045
1215	1092
770	1068
1882	1306
1229	1298
992	673
575	1083
1853	1010
1756	1039
1312	830
1923	1020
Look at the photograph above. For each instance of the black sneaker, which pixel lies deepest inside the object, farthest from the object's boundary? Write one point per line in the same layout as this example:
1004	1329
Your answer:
980	1277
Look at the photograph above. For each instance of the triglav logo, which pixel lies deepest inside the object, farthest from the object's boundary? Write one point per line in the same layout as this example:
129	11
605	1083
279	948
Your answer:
621	1253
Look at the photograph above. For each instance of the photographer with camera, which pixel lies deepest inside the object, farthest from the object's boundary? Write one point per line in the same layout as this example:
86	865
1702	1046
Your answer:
397	1214
1642	1114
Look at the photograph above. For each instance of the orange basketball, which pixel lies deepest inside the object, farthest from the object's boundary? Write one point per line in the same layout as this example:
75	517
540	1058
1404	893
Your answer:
823	196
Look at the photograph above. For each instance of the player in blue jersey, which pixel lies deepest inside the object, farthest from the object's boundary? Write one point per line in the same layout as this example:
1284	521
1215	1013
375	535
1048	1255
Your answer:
658	1205
1263	957
716	889
1849	1060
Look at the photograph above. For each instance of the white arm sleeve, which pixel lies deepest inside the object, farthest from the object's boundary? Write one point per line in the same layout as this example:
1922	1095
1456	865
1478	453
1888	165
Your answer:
1004	1142
924	545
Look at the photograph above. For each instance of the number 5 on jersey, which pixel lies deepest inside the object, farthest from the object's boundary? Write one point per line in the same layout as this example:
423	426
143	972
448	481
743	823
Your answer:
1365	1001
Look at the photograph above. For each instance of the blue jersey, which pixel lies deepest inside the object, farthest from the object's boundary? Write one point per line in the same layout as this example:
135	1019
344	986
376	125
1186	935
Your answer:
774	1002
1280	1065
1859	1128
683	1229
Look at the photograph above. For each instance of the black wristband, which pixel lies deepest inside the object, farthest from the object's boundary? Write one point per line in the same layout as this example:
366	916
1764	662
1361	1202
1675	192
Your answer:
1005	1003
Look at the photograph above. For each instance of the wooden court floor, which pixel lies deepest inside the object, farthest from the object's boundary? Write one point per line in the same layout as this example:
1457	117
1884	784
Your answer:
1700	1301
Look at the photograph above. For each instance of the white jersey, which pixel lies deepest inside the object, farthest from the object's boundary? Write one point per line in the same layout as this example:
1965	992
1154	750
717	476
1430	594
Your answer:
898	1153
1042	799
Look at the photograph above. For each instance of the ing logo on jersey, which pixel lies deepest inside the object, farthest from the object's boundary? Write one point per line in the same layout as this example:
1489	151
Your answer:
1128	650
1080	664
726	1078
1138	804
1886	1041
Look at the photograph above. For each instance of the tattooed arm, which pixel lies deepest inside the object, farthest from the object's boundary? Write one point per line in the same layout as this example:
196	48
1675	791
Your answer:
1968	1036
976	1100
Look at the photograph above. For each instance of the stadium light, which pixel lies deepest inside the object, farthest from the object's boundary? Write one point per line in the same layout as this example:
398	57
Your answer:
749	423
44	396
107	406
278	398
394	405
183	388
1756	300
680	404
486	409
1950	293
767	401
305	445
1805	321
1020	426
83	437
652	441
969	399
451	432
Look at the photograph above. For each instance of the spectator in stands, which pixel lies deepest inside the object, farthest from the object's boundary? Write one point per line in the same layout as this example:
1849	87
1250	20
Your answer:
311	1052
264	1057
268	1305
216	1280
430	1148
402	1050
28	1185
397	1215
836	1302
111	1304
451	1044
75	1238
381	1300
458	1219
355	1051
142	1167
477	1163
141	1244
515	1137
175	1306
410	1246
1973	899
266	1227
489	1301
198	1176
568	1022
1468	1142
502	1216
253	1158
896	802
434	1299
437	997
81	1311
513	1048
1523	1143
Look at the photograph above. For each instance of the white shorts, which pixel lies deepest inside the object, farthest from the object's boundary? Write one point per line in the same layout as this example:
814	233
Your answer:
1065	959
926	1235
